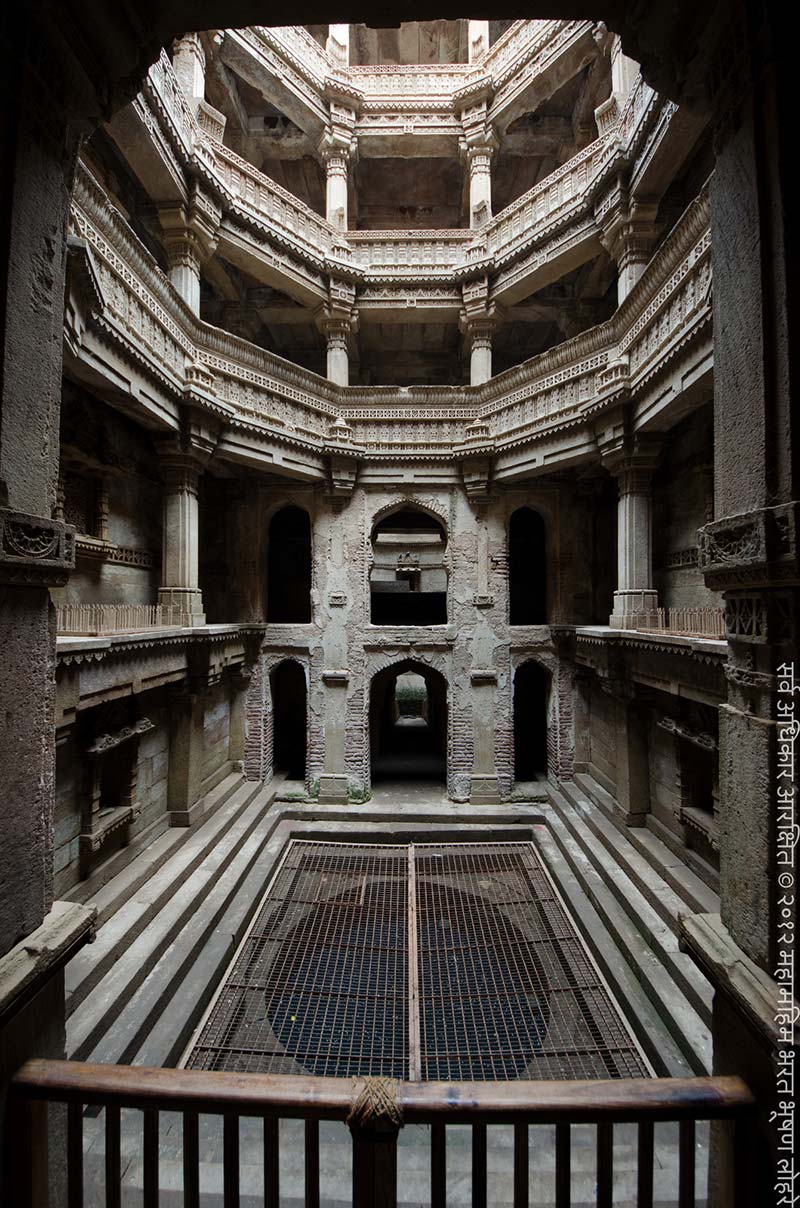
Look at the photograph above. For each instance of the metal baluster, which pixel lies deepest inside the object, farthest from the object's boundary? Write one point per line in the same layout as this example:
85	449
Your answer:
686	1165
75	1155
230	1161
521	1196
312	1164
271	1162
150	1137
191	1161
479	1166
113	1172
438	1166
563	1166
644	1179
605	1164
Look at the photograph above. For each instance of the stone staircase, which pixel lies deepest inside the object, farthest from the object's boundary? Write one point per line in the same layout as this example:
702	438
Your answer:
627	891
168	926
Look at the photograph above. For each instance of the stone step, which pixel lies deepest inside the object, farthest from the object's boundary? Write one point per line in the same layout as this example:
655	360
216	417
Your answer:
620	867
144	887
671	888
160	1015
116	892
694	889
671	1016
176	893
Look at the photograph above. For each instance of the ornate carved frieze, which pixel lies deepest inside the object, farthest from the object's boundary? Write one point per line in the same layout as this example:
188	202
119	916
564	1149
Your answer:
107	742
34	551
696	737
754	548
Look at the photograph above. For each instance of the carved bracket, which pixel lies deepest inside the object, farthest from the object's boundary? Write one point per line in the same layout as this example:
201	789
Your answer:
35	551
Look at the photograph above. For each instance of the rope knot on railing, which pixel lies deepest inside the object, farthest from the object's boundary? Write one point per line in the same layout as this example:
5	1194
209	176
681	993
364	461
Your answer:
375	1101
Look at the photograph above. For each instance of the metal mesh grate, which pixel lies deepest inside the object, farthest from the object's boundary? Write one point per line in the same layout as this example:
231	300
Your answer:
452	961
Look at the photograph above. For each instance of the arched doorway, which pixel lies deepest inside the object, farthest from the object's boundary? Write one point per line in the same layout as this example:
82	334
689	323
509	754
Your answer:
408	723
289	566
287	684
408	582
527	569
531	696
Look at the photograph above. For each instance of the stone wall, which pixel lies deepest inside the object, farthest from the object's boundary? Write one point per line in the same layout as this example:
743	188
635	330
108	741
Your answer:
476	650
110	489
683	501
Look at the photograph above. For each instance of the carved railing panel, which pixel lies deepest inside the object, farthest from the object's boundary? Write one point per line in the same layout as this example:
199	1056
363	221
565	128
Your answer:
140	312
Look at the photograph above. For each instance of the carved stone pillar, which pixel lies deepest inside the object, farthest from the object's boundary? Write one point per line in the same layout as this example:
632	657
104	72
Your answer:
336	189
628	231
337	149
633	756
238	679
484	785
333	781
182	461
184	777
190	237
635	592
189	63
338	43
479	320
479	165
477	40
338	321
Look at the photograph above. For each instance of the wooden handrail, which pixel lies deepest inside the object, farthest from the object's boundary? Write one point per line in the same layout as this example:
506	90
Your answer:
586	1101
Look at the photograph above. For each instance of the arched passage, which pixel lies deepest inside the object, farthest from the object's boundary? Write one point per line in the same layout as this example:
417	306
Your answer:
289	566
408	583
408	723
287	684
527	569
531	695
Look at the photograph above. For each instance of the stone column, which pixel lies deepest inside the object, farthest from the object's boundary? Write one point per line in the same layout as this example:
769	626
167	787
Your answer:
180	586
627	232
338	369
633	754
190	237
189	64
479	320
623	70
480	355
184	777
336	188
239	679
338	321
333	781
477	40
635	592
479	164
484	786
338	43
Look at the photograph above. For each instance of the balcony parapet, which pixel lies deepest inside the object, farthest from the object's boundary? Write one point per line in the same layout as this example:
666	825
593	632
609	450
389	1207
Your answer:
137	311
567	196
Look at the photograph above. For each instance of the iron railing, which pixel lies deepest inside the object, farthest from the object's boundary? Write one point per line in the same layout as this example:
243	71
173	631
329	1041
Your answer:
375	1111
